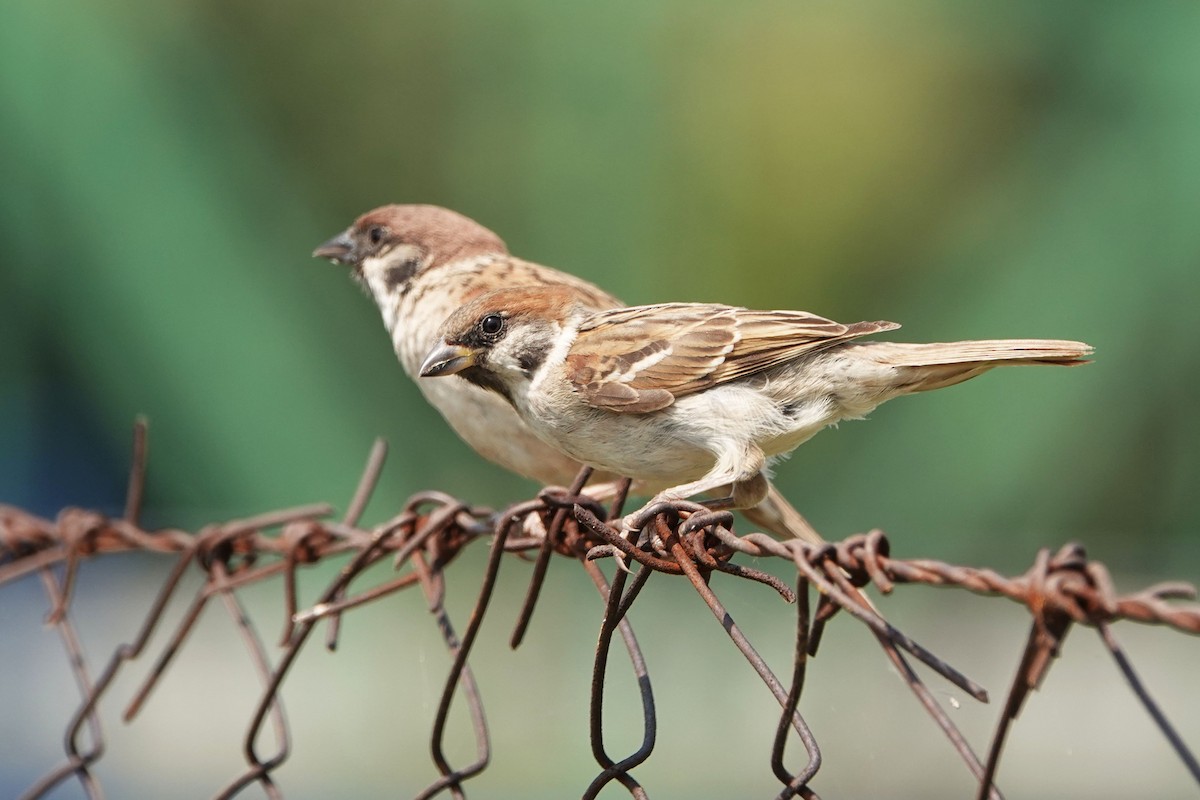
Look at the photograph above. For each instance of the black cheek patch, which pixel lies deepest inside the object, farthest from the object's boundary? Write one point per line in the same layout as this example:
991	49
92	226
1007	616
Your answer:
399	275
486	380
530	360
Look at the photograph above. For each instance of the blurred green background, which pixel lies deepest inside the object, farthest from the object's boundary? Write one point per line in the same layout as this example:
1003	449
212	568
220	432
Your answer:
971	170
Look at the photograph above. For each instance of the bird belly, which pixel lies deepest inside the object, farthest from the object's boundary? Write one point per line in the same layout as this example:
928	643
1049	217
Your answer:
650	448
714	430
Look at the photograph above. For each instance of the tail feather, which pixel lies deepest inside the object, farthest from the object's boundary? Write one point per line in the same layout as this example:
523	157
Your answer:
1026	351
939	364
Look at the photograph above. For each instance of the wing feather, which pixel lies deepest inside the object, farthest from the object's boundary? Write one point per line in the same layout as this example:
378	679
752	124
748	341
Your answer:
642	358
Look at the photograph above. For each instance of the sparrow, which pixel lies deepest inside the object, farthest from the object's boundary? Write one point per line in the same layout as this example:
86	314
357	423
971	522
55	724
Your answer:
420	263
689	397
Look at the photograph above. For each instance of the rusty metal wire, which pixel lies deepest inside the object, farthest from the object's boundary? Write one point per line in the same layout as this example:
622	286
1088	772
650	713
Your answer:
1060	590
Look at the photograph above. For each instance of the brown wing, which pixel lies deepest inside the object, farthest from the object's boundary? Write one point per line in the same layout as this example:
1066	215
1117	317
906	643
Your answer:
640	359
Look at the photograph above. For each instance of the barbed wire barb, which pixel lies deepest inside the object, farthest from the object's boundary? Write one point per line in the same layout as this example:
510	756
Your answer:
79	758
1152	708
542	562
796	783
615	596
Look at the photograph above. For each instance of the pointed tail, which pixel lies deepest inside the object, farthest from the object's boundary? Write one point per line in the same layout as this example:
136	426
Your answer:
939	364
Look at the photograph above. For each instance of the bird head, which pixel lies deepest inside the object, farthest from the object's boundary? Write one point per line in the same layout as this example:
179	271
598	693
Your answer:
501	339
389	246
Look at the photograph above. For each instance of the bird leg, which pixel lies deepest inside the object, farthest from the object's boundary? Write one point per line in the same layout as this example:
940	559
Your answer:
748	487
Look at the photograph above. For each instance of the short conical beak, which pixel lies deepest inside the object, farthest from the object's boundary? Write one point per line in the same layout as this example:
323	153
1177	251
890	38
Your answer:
447	359
338	249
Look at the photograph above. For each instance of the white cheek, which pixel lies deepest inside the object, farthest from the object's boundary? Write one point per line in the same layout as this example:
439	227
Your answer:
557	354
372	272
376	274
375	268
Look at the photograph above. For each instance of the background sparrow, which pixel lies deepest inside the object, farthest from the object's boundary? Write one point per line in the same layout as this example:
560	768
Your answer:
420	263
689	397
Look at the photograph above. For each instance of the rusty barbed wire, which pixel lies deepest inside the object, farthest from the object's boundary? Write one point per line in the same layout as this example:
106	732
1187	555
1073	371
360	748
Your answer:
681	538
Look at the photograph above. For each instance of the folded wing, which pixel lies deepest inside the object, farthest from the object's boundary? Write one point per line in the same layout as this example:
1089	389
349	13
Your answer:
640	359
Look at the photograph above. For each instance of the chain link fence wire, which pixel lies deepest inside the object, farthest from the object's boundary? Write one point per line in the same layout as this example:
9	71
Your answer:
1060	590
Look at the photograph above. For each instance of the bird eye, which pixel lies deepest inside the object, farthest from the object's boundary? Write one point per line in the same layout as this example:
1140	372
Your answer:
492	324
376	233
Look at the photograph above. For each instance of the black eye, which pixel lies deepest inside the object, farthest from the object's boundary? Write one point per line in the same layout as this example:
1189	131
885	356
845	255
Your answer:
492	324
376	233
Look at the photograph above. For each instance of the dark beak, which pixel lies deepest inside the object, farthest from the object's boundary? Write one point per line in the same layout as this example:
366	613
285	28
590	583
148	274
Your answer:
447	359
339	249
